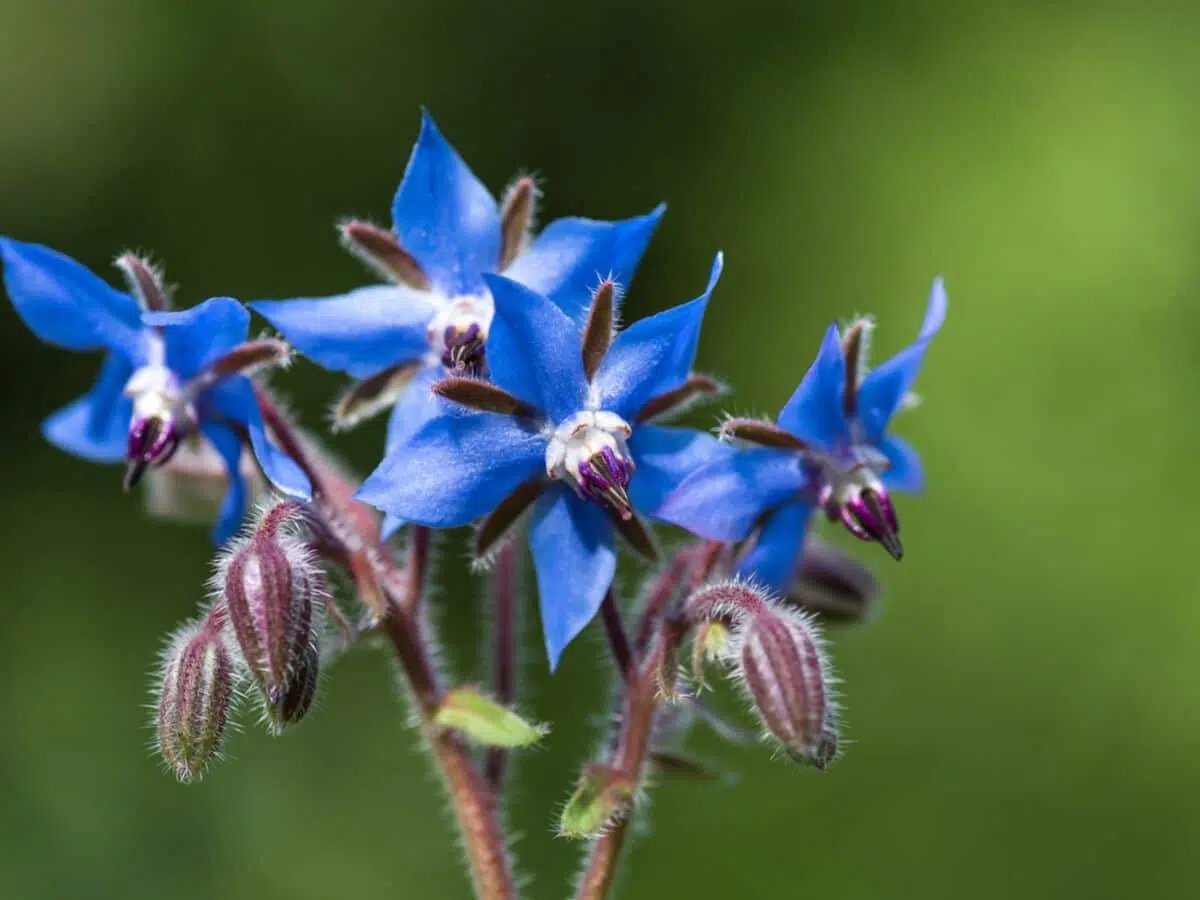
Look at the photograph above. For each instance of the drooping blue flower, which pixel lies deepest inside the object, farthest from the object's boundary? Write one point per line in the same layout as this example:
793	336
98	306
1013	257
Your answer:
449	233
566	433
167	376
829	450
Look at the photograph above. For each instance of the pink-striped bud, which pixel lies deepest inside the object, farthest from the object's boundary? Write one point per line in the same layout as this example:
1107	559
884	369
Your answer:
275	595
194	694
783	666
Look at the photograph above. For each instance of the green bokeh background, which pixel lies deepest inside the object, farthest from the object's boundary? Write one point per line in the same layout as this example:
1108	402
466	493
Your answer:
1026	710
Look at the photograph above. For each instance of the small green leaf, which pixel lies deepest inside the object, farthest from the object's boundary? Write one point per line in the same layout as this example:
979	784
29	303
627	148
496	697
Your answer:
486	721
601	797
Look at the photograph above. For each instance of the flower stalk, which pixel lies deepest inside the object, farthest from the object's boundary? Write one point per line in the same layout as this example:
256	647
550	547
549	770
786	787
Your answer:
471	796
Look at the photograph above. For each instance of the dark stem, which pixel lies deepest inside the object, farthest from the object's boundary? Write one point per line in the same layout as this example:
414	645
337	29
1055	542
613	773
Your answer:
417	574
686	571
618	639
504	649
473	801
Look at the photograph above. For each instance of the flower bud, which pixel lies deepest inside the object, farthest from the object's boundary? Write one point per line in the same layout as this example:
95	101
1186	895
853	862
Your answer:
300	692
783	666
275	596
832	586
194	694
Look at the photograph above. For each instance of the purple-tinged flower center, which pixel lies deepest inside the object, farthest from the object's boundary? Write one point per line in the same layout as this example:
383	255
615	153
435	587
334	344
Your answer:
588	451
162	418
458	335
859	500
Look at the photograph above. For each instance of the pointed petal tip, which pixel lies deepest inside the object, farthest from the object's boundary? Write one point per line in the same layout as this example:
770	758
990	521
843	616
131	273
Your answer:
714	275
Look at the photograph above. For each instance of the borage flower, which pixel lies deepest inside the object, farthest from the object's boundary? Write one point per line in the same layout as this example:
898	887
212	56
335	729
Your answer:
169	377
434	318
561	427
829	450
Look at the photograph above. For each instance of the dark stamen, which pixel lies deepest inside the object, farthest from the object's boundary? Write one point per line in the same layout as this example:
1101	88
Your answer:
605	479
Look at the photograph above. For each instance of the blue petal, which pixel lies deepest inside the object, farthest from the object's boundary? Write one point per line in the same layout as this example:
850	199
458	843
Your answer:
814	413
534	350
445	217
416	406
723	500
653	355
361	332
572	256
65	304
906	472
233	508
96	426
391	524
775	557
234	399
203	334
573	553
455	469
885	386
664	458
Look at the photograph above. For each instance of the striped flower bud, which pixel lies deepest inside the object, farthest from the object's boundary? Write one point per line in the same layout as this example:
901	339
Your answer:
275	595
195	690
782	663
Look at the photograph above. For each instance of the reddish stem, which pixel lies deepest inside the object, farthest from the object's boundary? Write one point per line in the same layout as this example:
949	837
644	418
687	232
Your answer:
364	557
504	649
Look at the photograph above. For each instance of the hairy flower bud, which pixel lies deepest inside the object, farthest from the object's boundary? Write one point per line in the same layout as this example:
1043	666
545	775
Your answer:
783	666
194	694
300	692
275	596
832	585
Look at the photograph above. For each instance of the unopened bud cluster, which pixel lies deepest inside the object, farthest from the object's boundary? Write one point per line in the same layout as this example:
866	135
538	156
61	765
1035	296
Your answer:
262	632
778	656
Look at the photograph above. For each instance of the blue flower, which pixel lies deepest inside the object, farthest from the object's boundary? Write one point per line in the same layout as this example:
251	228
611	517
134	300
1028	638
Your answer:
566	433
449	234
167	376
829	450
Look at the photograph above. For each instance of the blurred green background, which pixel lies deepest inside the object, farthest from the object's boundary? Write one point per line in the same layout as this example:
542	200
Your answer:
1026	710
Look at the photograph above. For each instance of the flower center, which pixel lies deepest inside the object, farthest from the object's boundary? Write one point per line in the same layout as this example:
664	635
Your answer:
588	451
458	334
859	500
162	417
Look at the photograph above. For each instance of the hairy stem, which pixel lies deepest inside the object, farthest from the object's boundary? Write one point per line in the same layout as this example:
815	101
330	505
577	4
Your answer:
504	649
633	745
473	801
658	638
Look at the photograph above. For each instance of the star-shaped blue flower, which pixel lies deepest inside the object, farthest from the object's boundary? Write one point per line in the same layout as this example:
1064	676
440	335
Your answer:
167	376
566	435
829	450
449	233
